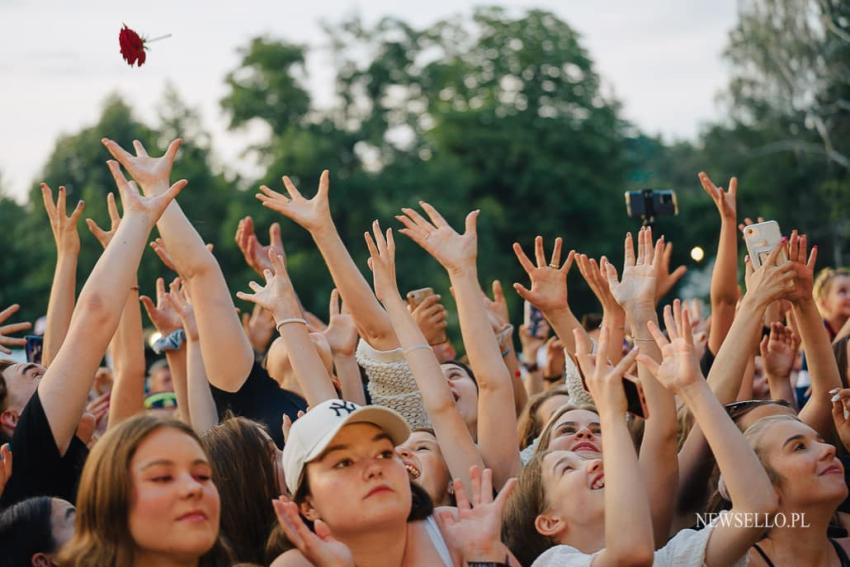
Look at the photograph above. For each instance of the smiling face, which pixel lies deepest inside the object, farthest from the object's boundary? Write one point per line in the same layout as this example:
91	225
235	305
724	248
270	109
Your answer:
174	505
358	483
576	430
426	466
803	467
463	390
574	489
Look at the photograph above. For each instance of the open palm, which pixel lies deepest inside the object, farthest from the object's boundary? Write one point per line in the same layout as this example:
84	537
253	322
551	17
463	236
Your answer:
310	214
454	251
152	173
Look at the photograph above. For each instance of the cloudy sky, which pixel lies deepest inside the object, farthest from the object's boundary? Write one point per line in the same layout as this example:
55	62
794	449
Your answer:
59	60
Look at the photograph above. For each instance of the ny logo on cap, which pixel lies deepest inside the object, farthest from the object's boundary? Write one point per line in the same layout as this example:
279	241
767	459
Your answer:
342	406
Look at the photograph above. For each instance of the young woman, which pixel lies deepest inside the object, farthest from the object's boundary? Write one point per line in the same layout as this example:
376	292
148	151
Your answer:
248	473
571	510
832	295
147	498
538	412
809	481
426	466
349	483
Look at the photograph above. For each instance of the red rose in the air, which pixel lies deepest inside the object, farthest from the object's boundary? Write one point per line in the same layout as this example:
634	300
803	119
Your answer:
132	46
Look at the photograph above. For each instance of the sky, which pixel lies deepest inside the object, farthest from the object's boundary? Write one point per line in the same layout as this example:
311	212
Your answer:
59	60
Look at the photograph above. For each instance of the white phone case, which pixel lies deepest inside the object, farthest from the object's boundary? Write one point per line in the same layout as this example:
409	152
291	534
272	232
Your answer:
761	239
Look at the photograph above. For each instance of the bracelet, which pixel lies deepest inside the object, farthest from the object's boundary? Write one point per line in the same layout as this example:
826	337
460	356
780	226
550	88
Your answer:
408	350
172	341
289	320
643	340
506	563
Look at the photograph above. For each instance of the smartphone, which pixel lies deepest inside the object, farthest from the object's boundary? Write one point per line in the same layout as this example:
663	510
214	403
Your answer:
417	296
651	203
34	346
535	321
761	239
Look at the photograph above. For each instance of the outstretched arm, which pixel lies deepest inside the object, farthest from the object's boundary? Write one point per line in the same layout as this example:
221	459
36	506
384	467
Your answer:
64	388
749	487
457	253
127	346
452	434
628	526
62	291
613	315
724	278
314	216
227	352
549	289
278	296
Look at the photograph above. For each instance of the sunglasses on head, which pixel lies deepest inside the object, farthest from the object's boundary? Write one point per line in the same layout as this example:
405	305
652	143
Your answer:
738	409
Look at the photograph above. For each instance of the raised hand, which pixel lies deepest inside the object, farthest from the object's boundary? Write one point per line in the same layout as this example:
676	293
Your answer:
341	332
105	236
725	201
604	382
152	173
319	547
455	252
134	204
278	296
430	315
311	214
679	366
178	300
6	330
475	528
637	287
256	255
772	282
548	281
779	350
666	280
259	327
803	265
382	262
64	227
593	274
497	308
163	315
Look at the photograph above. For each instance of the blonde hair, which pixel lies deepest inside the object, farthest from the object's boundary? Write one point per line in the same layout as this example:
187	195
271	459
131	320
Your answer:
528	501
824	281
755	436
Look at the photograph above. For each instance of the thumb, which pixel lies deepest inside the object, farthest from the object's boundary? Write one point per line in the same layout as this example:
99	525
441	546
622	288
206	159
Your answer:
471	222
522	291
148	304
678	273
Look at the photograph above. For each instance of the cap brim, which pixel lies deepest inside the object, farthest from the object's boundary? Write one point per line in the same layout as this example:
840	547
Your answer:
386	419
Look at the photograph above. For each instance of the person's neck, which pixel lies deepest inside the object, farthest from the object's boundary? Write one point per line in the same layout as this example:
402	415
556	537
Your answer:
144	559
382	547
587	538
836	322
805	541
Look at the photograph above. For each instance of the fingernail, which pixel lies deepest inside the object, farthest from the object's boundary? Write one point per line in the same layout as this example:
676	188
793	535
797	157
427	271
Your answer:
833	391
835	398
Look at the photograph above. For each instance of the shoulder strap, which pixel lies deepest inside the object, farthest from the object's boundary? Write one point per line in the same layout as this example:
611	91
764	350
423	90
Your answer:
842	555
764	555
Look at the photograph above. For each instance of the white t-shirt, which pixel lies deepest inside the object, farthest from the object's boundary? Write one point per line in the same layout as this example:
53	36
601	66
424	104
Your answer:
686	549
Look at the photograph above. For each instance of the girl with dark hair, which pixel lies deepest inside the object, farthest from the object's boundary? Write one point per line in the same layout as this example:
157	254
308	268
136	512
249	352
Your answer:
33	531
147	495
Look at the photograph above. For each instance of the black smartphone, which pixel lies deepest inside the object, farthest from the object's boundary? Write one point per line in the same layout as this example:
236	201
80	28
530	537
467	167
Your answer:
651	203
536	322
34	346
635	398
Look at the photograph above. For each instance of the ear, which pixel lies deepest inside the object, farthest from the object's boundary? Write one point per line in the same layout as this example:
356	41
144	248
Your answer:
9	419
307	510
550	525
41	560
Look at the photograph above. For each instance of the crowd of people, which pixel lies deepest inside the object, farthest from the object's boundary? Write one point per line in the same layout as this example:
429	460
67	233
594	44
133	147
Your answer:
659	433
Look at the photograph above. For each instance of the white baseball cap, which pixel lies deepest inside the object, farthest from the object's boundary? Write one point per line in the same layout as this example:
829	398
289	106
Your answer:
314	431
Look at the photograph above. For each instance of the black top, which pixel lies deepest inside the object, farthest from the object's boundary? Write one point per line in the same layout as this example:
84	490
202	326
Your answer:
39	469
262	399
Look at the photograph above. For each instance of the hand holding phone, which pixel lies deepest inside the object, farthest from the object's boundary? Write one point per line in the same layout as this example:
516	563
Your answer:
534	321
761	239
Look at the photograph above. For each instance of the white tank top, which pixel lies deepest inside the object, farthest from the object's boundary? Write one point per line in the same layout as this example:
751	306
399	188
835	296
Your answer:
433	531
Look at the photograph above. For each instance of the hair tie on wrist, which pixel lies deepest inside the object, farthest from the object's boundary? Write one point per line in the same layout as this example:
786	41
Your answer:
283	322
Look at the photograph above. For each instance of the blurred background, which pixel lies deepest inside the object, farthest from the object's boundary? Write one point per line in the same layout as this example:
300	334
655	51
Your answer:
540	114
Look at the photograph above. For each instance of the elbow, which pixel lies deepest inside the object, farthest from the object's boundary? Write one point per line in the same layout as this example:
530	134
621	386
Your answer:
94	309
642	555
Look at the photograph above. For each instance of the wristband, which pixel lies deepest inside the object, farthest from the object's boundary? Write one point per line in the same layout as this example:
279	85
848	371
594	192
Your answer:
283	322
408	350
172	341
